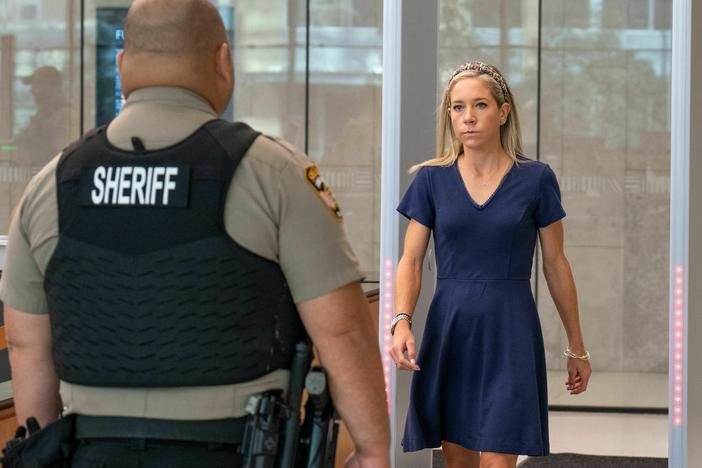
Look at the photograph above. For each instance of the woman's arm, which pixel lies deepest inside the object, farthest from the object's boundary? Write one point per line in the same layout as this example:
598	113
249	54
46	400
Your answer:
407	286
561	285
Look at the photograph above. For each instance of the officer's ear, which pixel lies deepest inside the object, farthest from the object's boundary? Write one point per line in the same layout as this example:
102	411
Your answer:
224	66
120	70
120	56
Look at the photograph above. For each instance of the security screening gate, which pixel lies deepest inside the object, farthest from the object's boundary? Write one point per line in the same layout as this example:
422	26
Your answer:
685	355
410	45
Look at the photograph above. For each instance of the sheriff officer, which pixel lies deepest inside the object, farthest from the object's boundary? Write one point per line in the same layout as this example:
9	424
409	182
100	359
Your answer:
159	271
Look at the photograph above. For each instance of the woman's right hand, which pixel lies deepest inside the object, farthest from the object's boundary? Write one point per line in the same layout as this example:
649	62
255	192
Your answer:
403	341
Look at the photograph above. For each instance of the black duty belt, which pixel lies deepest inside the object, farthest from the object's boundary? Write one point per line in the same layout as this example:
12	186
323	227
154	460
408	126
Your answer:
221	431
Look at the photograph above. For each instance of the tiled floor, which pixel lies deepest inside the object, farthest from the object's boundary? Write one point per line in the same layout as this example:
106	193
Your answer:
610	433
640	435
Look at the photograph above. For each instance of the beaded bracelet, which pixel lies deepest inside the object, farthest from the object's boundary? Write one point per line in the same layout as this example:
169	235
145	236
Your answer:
396	320
569	354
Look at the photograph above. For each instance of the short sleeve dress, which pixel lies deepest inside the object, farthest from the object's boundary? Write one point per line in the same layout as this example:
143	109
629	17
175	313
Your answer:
482	382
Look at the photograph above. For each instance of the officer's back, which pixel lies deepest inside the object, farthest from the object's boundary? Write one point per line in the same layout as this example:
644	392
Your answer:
160	271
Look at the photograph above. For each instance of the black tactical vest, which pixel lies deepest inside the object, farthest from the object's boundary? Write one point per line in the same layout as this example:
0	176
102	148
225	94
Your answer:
145	287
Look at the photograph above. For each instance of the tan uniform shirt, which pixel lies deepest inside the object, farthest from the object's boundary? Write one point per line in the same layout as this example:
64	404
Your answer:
272	209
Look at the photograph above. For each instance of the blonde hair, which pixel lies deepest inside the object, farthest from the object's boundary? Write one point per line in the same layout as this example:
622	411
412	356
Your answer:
510	132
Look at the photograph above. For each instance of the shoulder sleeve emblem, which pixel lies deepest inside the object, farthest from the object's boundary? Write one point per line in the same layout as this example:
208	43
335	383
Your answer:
323	191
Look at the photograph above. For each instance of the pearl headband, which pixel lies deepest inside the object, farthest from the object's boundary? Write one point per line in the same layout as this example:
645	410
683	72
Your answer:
483	69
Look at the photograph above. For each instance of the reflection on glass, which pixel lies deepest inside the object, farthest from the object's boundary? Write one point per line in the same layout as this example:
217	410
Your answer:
45	133
37	82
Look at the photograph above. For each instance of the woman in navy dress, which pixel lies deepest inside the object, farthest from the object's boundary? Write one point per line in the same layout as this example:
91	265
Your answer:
479	387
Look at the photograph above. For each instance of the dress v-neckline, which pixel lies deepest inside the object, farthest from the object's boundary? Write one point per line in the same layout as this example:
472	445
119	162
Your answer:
477	205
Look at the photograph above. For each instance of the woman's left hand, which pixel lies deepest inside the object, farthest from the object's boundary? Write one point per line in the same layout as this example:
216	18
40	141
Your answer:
579	372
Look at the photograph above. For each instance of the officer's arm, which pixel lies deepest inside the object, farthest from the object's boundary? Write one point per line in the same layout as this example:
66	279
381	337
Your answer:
34	383
342	331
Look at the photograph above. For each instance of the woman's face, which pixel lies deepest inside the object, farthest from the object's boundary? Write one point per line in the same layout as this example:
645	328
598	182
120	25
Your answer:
475	116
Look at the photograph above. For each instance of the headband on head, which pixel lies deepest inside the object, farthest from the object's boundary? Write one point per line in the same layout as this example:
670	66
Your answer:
483	69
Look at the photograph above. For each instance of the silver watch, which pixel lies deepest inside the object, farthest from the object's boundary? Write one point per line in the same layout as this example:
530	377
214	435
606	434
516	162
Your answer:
397	319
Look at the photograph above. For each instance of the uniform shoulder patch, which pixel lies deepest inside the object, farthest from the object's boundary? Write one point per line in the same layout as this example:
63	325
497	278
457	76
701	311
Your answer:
323	191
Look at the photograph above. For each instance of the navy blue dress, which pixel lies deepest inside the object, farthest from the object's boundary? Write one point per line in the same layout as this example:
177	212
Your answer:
482	382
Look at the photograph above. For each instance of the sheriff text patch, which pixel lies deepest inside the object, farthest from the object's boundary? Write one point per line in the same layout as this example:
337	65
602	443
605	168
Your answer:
163	186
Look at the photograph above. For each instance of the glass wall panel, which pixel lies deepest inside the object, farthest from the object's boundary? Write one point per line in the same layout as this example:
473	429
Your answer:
604	128
269	46
345	115
39	80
